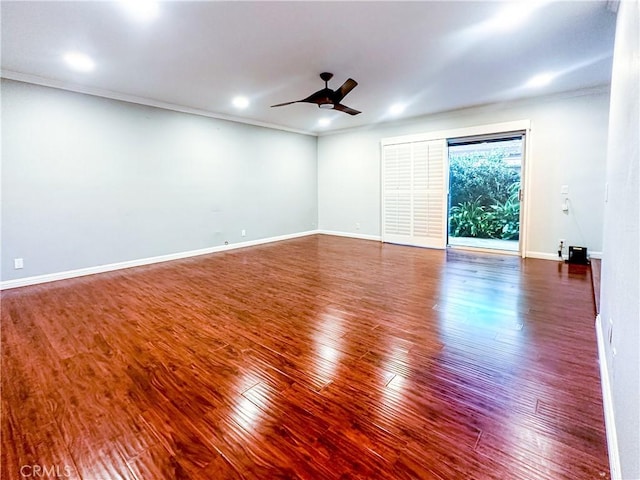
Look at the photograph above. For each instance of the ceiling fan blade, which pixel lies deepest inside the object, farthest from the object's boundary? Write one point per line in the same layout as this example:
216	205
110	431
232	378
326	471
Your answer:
321	96
346	87
345	109
286	103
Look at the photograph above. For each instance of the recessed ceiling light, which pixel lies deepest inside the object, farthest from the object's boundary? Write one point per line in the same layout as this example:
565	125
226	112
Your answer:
79	61
241	102
396	108
324	122
141	10
540	80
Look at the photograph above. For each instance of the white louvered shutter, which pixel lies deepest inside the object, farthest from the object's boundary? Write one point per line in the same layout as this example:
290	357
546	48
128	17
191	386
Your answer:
414	194
397	185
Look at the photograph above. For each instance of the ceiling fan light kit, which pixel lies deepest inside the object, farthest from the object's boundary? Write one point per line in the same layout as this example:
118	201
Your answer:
327	98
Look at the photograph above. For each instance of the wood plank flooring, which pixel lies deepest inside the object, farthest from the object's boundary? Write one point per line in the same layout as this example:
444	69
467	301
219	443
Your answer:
315	358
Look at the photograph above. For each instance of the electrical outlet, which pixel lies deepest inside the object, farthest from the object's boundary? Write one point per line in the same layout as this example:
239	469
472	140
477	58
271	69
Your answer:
18	263
357	225
243	233
562	242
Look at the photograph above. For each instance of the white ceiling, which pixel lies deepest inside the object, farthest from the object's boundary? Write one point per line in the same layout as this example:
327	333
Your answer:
432	56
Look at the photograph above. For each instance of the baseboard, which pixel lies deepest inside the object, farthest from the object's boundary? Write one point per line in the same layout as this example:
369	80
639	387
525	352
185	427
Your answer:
607	400
543	256
52	277
359	236
554	256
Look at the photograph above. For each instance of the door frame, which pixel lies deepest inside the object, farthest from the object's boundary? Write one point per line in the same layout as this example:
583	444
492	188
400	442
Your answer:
488	129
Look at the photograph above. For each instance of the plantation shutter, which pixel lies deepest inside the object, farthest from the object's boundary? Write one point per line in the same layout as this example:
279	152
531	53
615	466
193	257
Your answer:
414	194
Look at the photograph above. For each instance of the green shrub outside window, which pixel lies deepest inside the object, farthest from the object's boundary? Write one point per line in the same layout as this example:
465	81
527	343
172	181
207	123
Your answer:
484	196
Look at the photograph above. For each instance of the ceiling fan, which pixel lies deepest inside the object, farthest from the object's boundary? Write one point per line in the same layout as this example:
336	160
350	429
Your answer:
327	98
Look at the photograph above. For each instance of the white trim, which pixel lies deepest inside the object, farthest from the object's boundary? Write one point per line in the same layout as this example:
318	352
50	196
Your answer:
544	256
52	277
525	187
123	97
554	256
484	250
503	127
359	236
607	400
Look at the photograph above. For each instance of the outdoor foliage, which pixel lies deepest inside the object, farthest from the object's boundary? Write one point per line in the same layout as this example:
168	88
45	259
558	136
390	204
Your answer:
470	219
505	217
484	197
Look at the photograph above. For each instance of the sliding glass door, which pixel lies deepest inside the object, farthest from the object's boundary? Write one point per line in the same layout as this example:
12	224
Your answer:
456	188
485	178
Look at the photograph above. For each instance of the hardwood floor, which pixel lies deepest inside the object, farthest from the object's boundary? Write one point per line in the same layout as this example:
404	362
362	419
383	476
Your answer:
320	357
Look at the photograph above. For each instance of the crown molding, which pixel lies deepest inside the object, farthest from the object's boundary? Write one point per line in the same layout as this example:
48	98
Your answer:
150	102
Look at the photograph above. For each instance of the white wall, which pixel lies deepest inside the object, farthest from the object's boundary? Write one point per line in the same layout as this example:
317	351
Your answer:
620	289
88	181
569	137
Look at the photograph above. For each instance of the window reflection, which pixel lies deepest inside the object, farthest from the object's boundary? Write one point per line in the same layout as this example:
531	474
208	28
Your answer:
328	340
